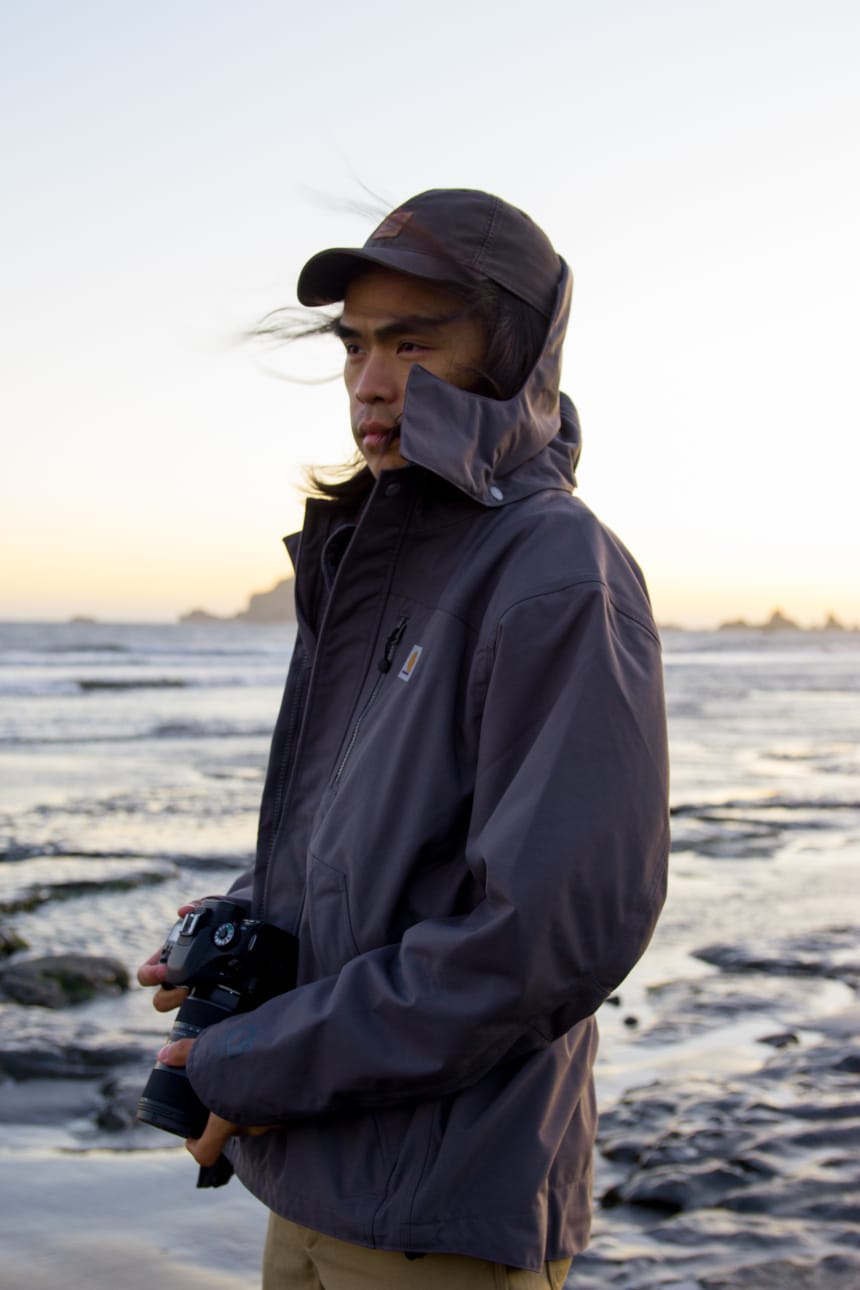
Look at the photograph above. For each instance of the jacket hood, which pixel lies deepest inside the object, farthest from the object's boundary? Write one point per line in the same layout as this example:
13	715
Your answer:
494	450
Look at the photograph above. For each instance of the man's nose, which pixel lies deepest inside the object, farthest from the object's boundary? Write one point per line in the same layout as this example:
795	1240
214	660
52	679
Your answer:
377	382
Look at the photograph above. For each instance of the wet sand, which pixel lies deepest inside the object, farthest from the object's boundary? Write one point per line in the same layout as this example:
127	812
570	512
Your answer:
728	1078
123	1221
729	1069
737	1174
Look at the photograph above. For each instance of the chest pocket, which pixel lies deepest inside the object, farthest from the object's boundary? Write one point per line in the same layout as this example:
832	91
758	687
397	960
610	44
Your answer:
383	669
328	929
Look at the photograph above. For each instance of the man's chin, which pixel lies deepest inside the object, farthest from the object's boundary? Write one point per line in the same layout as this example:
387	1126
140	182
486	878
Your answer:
387	459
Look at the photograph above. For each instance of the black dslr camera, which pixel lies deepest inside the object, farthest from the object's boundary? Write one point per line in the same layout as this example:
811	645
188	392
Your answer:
231	964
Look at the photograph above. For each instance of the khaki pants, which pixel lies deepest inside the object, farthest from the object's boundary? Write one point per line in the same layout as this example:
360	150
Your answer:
298	1259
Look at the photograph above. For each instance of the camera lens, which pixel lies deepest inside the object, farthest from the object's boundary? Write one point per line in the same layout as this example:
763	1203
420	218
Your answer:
168	1100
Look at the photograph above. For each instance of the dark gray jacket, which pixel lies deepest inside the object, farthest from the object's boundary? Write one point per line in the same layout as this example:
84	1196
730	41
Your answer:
465	820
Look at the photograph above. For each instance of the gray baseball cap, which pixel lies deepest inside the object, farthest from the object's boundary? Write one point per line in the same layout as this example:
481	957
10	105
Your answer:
446	235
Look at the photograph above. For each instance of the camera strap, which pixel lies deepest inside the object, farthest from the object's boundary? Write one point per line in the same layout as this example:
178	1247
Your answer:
215	1175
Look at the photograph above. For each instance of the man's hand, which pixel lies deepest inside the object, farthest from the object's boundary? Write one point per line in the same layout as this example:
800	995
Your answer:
153	973
207	1148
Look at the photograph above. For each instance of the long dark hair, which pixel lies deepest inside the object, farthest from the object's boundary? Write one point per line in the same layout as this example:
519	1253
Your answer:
514	332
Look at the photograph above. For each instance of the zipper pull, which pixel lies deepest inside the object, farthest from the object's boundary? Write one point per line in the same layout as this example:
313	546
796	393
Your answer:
391	644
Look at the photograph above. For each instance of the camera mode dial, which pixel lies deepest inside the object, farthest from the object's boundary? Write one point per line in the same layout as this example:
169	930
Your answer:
224	935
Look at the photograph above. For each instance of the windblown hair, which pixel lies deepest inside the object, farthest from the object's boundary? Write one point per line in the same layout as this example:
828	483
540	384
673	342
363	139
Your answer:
514	334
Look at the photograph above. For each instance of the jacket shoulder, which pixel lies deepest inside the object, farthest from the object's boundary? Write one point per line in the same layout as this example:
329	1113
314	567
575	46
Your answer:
555	541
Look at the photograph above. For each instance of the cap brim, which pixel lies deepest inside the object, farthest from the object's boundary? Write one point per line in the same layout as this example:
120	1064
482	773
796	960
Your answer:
326	276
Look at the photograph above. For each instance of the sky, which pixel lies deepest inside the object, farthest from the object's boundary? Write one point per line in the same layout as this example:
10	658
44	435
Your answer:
168	167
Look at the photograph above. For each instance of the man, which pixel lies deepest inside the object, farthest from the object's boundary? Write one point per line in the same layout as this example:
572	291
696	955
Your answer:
465	814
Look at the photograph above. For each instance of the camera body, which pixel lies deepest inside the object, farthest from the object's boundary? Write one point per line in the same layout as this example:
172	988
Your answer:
230	964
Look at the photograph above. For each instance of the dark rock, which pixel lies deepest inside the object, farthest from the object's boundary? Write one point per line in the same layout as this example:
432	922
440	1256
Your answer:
690	1007
57	1044
29	898
120	1094
60	980
832	1273
711	1248
65	1063
48	1101
109	1118
748	1181
673	1190
10	943
32	898
823	954
783	1040
627	1151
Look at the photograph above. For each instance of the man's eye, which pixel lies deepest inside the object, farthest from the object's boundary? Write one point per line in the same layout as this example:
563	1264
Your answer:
411	347
351	348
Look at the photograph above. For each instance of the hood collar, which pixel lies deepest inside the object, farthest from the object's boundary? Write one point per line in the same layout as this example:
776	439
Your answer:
494	450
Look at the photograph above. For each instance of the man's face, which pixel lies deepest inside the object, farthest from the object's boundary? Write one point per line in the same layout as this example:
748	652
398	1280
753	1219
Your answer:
391	321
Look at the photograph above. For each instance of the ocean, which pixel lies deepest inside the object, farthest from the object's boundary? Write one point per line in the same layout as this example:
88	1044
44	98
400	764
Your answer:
131	764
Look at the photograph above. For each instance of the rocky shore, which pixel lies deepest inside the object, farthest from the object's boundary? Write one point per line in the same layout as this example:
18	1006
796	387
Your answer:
728	1067
708	1179
749	1182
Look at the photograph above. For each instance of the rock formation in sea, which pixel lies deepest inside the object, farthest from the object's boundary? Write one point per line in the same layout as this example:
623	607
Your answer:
273	606
780	622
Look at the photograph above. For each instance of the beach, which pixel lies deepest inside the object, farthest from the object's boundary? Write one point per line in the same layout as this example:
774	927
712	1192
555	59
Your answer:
131	763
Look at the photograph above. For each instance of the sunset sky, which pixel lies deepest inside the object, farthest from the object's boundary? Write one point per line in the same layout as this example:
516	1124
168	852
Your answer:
169	166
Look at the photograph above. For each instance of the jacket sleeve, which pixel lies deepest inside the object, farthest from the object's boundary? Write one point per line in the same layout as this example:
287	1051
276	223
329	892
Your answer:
568	840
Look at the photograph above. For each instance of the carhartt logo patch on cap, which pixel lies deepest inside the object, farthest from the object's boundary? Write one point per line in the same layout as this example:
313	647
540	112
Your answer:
392	225
411	663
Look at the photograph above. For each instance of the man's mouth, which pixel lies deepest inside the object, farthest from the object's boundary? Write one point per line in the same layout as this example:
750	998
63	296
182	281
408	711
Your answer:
375	435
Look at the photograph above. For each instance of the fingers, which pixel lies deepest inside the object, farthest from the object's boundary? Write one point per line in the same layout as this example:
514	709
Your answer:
152	972
167	998
207	1148
176	1054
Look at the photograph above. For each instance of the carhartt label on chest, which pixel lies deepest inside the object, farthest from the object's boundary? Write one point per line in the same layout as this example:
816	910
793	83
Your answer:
411	663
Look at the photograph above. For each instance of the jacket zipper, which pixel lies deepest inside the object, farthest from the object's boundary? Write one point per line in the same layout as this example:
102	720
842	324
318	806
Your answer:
384	667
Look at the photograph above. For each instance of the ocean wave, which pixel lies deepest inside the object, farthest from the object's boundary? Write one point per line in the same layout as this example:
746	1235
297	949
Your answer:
84	647
87	684
58	852
162	730
710	810
24	685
